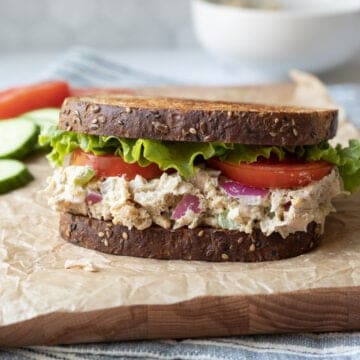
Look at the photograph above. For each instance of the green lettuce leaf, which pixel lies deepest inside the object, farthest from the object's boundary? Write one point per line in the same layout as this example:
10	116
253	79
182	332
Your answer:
175	155
250	153
347	160
182	156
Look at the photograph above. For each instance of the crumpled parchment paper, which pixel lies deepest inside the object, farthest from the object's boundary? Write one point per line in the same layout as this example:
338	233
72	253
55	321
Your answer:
40	273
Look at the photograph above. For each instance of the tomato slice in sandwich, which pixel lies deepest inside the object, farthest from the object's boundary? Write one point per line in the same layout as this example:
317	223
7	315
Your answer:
112	165
273	174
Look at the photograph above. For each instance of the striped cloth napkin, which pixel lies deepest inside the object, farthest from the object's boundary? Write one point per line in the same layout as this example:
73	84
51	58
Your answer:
85	67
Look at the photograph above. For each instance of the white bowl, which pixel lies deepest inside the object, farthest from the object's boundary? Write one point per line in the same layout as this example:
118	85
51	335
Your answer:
311	35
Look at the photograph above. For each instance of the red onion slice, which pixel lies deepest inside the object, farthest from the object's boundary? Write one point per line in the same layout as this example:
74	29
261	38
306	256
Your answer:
93	197
188	202
236	190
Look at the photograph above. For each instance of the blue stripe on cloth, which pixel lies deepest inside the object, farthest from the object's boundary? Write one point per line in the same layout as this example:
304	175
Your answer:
348	96
84	67
265	347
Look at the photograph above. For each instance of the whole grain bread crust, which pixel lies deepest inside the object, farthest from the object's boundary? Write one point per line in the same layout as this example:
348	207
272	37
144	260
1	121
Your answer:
197	120
202	243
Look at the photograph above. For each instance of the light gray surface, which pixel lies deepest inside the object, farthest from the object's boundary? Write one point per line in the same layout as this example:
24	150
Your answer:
112	24
191	66
34	32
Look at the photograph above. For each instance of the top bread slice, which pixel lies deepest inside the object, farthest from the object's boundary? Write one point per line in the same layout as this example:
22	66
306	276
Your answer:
197	120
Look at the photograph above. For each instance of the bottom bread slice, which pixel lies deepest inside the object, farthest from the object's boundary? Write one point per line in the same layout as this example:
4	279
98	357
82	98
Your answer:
202	243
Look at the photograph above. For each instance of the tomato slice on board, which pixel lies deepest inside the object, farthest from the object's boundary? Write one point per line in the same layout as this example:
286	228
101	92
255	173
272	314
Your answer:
271	174
112	165
99	91
18	100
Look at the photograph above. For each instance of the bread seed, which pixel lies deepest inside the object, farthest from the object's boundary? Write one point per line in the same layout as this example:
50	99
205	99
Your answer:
101	118
295	132
240	240
192	131
95	121
229	113
94	126
200	233
76	119
176	117
155	114
92	108
125	236
276	120
203	127
128	110
159	127
252	248
292	122
106	243
69	128
95	108
272	134
225	256
101	234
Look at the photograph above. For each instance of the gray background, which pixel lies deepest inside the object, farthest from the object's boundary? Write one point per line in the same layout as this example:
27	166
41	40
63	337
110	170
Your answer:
151	35
112	24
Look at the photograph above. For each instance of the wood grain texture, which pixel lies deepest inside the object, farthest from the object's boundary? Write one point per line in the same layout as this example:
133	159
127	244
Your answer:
317	310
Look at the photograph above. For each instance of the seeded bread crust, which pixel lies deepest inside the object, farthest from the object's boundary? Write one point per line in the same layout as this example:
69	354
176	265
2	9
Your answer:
202	243
195	120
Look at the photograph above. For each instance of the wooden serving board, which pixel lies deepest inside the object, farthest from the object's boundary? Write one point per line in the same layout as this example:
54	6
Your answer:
316	310
41	302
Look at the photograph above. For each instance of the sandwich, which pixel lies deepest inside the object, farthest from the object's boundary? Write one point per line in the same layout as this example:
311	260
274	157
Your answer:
184	179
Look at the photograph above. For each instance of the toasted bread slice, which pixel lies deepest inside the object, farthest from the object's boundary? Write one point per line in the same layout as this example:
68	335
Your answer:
197	120
203	243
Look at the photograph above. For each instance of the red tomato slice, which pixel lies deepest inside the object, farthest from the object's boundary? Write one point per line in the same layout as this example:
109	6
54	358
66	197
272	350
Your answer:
16	101
271	174
112	165
99	91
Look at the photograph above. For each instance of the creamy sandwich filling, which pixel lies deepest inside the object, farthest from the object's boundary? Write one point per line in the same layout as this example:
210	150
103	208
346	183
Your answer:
204	199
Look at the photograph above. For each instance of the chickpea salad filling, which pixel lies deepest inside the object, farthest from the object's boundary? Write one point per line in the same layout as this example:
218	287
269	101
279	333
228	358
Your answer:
138	183
206	199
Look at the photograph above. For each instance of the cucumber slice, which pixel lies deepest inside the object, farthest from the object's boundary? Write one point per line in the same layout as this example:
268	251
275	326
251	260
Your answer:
43	117
13	174
18	137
